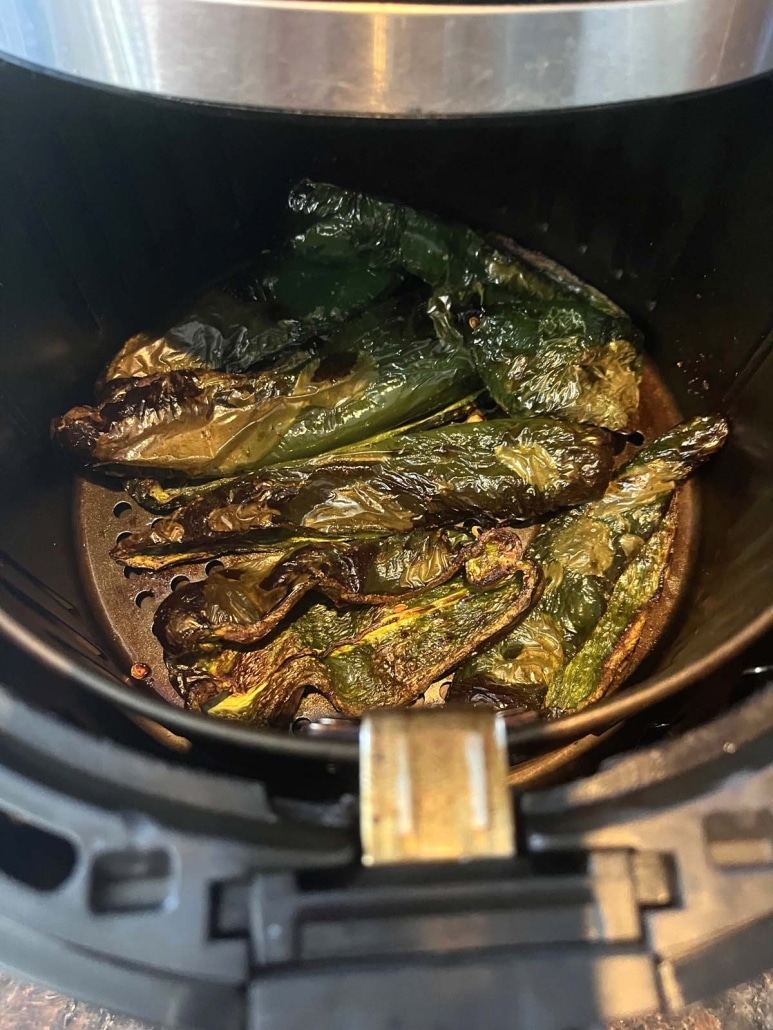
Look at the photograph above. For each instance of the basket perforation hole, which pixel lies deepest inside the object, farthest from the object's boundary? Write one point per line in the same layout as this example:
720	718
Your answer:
121	508
122	536
213	566
128	571
143	598
178	581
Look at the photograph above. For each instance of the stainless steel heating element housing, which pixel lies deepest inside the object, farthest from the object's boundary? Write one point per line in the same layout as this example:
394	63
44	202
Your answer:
400	59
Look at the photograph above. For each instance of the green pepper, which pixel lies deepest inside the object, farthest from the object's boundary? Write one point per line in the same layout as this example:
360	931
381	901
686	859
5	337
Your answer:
202	424
582	555
556	357
243	603
345	225
219	333
161	498
327	294
382	369
362	658
415	375
243	322
500	471
543	341
604	660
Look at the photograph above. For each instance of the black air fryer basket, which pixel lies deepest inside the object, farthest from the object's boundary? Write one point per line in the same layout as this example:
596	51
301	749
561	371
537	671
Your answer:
202	874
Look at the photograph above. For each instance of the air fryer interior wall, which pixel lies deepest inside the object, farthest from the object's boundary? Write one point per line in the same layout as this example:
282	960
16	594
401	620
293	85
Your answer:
115	208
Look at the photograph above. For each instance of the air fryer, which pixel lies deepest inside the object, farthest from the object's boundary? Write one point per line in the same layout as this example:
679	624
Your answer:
204	874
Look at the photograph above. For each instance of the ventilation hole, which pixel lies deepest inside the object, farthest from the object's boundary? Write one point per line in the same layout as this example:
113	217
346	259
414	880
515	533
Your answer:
128	571
122	536
212	566
38	858
130	881
121	508
637	439
229	911
740	839
143	598
178	581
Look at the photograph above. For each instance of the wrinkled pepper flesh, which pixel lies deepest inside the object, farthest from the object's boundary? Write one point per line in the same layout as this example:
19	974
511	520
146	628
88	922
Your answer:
366	416
582	554
543	342
504	470
245	602
364	657
384	368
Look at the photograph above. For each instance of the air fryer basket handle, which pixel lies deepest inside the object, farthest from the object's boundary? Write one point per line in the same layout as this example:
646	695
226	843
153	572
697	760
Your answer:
648	886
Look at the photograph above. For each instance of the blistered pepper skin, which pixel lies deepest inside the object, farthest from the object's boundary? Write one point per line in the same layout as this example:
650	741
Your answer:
582	554
544	342
367	657
505	470
246	601
381	370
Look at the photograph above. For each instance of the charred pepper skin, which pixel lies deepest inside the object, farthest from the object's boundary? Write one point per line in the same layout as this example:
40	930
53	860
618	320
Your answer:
252	317
583	554
500	471
242	604
362	658
558	358
385	368
603	662
543	342
162	498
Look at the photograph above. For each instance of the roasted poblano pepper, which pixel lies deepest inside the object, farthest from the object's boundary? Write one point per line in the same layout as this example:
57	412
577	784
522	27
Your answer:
219	333
604	660
582	554
343	225
500	471
415	374
362	658
203	424
543	342
253	317
161	498
243	603
557	357
324	294
382	369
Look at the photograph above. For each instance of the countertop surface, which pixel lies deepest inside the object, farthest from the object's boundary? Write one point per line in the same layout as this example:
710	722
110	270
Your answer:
27	1007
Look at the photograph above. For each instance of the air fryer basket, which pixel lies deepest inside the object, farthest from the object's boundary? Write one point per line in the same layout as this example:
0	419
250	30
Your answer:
114	208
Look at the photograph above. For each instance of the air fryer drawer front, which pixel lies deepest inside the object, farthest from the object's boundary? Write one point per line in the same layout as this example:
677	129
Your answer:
648	885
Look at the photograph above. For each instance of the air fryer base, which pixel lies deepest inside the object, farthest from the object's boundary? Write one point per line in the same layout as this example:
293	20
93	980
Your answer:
191	900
